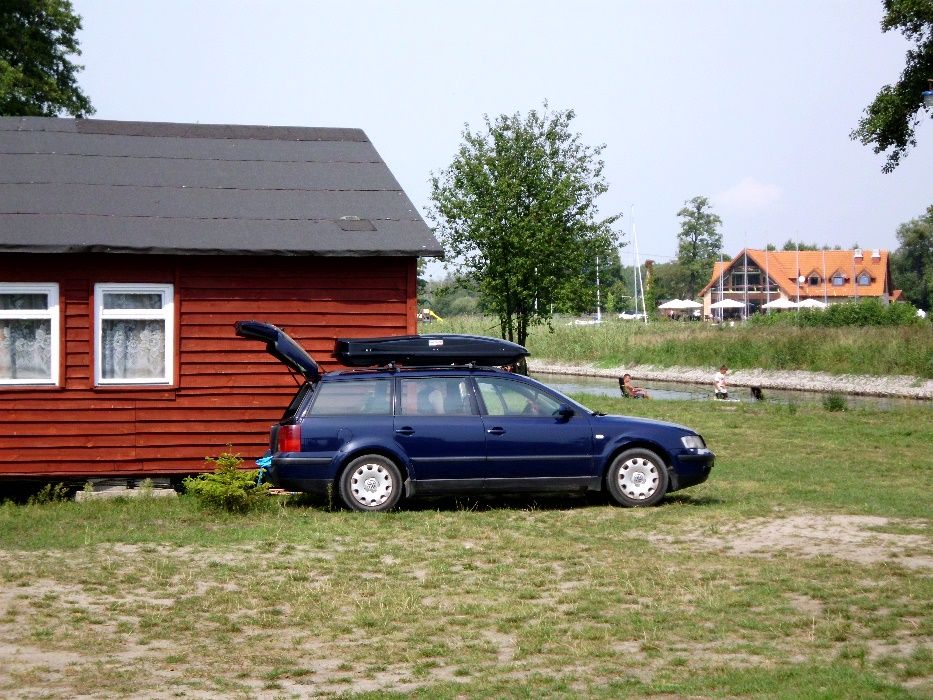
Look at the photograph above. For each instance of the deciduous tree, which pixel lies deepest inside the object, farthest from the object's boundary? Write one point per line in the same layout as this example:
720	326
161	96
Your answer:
912	262
37	77
699	242
890	120
516	211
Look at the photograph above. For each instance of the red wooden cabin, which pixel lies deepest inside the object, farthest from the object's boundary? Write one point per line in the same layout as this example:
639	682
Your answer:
127	252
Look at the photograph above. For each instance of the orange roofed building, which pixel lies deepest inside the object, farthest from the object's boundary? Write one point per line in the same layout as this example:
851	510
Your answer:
829	276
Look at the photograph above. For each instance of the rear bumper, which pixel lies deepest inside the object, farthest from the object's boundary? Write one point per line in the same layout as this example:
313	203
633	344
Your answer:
302	474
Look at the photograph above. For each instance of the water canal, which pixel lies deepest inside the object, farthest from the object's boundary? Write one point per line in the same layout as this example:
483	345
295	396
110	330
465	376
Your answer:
677	391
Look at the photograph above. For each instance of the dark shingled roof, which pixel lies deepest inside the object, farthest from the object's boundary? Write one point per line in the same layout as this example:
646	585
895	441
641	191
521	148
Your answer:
90	185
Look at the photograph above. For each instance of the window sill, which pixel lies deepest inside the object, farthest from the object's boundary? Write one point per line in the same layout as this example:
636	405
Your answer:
134	387
31	387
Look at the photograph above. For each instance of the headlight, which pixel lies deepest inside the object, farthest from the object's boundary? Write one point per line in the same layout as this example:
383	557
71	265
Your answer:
693	442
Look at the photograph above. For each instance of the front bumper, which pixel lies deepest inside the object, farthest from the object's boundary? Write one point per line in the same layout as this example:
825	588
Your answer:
691	468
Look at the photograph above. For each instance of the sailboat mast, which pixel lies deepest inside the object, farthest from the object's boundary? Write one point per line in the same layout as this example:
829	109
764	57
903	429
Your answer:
639	284
599	313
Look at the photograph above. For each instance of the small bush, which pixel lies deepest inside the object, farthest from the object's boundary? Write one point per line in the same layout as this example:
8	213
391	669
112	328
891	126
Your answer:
835	402
50	493
228	487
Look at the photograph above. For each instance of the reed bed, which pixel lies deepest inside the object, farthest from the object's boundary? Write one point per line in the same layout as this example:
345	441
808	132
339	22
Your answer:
880	351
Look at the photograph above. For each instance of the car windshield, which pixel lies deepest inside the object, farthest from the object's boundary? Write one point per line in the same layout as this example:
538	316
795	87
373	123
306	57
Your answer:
575	404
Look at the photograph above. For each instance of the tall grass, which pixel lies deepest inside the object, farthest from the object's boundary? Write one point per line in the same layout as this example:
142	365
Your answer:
876	350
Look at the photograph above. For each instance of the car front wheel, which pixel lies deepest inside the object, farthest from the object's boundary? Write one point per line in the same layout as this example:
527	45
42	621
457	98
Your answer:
637	477
371	483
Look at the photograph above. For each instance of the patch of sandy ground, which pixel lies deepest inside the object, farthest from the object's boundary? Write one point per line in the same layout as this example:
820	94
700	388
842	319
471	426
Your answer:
846	537
851	537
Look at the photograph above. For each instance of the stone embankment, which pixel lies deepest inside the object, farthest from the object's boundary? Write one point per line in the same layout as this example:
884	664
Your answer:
901	386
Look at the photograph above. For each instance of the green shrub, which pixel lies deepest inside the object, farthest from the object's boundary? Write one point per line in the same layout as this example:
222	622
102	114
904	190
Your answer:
228	487
867	312
835	402
50	493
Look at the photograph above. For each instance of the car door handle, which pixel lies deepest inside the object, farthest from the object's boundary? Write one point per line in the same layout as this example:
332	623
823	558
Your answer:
496	431
405	431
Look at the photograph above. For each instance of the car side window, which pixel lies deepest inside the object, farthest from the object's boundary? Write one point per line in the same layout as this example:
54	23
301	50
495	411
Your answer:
434	396
353	398
509	398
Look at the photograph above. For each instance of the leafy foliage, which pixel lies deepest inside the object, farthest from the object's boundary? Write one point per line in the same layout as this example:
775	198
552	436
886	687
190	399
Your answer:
890	120
868	312
668	281
912	262
37	77
698	243
228	487
516	211
50	493
791	244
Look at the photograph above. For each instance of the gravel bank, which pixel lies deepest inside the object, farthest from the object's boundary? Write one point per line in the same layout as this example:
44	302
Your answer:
900	385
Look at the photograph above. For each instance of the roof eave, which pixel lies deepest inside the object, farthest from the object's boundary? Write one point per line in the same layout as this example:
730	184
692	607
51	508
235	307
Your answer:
156	250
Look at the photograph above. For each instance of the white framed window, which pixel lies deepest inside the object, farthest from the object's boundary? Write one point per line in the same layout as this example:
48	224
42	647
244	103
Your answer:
134	331
29	333
863	280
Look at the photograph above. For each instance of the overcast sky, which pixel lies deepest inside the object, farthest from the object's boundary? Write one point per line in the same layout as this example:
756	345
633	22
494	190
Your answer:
747	103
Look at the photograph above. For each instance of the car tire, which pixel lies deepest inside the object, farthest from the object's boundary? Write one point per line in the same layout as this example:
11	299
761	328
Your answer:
637	477
371	483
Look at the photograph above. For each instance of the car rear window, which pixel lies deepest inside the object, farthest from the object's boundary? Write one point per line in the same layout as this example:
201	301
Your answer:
292	410
353	398
435	396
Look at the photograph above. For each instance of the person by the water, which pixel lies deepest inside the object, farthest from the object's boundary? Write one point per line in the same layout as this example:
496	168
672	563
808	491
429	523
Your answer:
631	390
722	390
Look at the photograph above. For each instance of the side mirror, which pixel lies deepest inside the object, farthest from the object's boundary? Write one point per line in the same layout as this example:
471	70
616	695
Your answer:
565	412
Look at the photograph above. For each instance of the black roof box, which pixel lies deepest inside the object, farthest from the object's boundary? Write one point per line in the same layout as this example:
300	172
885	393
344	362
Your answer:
428	350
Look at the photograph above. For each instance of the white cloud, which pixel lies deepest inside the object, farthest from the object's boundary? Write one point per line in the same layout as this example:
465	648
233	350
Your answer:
749	195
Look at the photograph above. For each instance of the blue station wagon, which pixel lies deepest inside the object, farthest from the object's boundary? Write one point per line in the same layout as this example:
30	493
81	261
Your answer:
446	424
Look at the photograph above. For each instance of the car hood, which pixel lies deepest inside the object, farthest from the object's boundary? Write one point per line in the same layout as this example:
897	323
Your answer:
281	346
645	424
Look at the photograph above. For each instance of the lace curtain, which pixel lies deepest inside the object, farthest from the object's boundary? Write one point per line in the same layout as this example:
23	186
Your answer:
24	302
133	349
26	349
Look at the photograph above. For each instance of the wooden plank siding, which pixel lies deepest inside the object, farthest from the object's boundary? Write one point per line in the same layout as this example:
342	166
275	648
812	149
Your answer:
227	390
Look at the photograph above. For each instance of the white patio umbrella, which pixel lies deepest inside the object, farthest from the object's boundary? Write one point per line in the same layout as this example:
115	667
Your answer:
727	304
780	303
812	304
672	305
688	304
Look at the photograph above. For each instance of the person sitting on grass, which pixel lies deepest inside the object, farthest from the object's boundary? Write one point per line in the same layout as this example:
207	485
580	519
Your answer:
630	390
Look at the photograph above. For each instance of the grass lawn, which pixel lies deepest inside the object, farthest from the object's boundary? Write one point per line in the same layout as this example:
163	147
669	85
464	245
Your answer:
802	569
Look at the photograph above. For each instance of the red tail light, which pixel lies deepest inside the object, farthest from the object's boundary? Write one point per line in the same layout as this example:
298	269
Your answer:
289	438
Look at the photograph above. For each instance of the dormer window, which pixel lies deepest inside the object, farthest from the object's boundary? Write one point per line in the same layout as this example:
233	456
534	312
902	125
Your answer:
838	279
863	280
814	278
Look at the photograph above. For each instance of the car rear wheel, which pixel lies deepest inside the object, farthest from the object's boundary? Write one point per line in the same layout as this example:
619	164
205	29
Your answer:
637	477
371	483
